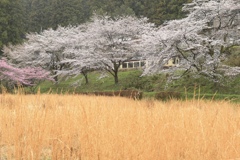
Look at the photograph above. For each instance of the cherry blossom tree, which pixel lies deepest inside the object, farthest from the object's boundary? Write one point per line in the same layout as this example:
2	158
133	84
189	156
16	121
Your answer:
201	40
117	40
82	62
22	76
107	44
44	50
103	43
62	51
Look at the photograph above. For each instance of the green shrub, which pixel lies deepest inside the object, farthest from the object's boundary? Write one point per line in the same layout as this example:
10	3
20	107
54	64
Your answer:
134	94
164	96
142	83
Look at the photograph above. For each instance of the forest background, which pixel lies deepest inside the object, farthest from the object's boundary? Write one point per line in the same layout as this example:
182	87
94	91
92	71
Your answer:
18	17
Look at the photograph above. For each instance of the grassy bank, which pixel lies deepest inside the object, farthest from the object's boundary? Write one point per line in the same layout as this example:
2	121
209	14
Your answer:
151	85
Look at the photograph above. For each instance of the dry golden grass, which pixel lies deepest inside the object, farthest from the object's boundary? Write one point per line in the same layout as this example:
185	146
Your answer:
62	127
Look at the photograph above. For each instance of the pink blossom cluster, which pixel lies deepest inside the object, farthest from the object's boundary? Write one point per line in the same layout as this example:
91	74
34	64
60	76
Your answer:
25	76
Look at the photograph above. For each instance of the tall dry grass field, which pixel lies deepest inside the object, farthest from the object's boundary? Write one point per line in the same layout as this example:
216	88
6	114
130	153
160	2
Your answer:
62	127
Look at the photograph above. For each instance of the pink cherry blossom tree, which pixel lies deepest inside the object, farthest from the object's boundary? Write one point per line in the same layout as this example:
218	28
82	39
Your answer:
22	76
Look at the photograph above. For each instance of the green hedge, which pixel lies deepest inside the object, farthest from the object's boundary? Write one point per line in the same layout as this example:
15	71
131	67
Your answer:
135	94
168	95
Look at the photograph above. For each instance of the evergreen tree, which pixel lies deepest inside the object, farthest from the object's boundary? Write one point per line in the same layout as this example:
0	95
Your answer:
157	11
12	20
70	12
20	16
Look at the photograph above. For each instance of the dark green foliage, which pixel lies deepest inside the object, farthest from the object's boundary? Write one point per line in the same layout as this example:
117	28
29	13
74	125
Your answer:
142	83
147	83
12	20
157	11
72	12
18	17
44	14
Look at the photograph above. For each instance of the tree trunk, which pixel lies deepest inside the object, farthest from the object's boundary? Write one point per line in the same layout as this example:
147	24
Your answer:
115	71
55	78
116	77
86	77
